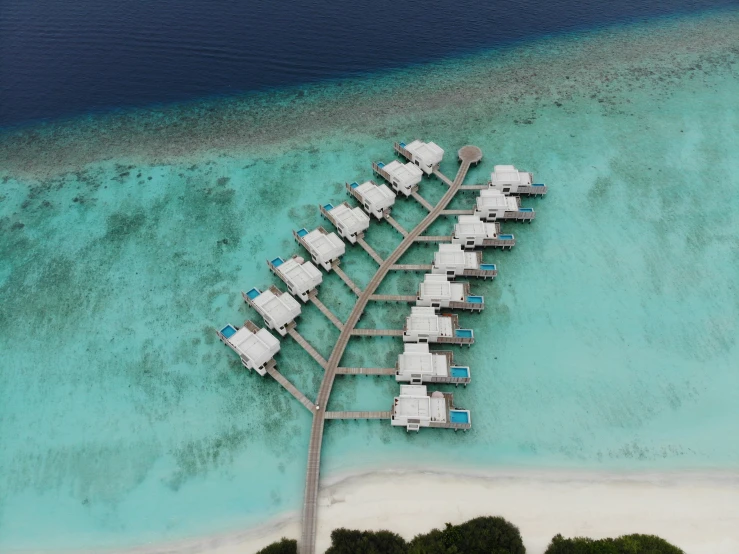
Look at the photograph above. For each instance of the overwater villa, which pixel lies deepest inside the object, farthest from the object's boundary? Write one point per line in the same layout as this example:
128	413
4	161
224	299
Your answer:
325	248
418	365
508	180
403	178
300	276
277	308
438	292
256	347
471	232
425	325
494	205
377	200
350	222
452	260
415	408
426	155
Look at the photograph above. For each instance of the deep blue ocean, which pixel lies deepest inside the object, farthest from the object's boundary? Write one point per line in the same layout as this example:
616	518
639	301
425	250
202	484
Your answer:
61	59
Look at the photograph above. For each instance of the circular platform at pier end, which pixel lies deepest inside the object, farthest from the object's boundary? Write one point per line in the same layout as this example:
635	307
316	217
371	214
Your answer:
470	154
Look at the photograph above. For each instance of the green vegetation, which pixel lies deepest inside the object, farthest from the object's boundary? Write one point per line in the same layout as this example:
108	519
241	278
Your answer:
283	546
627	544
482	535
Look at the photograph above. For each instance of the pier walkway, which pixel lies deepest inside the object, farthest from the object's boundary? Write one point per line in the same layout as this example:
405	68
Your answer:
344	277
365	371
397	226
458	212
289	387
411	267
444	179
377	332
313	295
467	155
473	187
421	200
367	248
307	347
392	298
356	415
434	238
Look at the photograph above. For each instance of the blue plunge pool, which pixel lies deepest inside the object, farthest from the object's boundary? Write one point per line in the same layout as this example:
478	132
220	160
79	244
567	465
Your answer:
228	331
328	207
354	185
475	299
253	293
487	267
463	333
505	237
459	416
302	232
277	262
380	164
525	209
459	372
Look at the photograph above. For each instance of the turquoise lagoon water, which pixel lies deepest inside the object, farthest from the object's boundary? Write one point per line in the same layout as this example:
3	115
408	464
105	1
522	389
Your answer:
608	338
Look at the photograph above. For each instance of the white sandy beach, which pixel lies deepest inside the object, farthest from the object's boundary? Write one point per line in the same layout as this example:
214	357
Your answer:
697	511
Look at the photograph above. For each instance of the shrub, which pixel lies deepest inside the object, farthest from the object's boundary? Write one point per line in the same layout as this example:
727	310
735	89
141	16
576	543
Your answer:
345	541
626	544
283	546
482	535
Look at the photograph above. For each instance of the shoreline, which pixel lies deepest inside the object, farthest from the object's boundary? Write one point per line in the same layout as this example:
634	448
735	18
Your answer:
695	510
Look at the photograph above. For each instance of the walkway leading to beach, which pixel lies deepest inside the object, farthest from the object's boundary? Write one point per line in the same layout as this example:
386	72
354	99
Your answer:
467	155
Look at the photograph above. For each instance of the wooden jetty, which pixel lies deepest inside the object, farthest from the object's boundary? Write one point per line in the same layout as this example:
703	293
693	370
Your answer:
393	298
307	347
421	200
397	226
289	387
367	248
377	332
444	179
356	415
458	212
365	371
411	267
434	238
344	277
313	296
473	187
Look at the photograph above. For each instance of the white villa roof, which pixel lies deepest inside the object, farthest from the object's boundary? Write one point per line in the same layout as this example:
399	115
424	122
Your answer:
280	309
406	174
437	287
419	360
258	348
414	402
503	174
304	276
429	152
328	246
451	254
425	320
470	225
493	199
353	220
379	196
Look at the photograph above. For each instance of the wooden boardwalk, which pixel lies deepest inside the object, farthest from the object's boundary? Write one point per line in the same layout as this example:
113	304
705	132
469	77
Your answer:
397	226
392	298
468	155
344	277
442	177
307	347
434	238
365	371
458	212
411	267
313	295
421	200
289	387
367	248
473	187
356	415
377	332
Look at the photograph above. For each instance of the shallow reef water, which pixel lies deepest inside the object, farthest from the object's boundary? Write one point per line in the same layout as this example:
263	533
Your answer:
609	338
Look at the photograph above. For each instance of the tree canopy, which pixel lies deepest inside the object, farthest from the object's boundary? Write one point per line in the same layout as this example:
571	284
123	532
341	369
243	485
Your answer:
626	544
